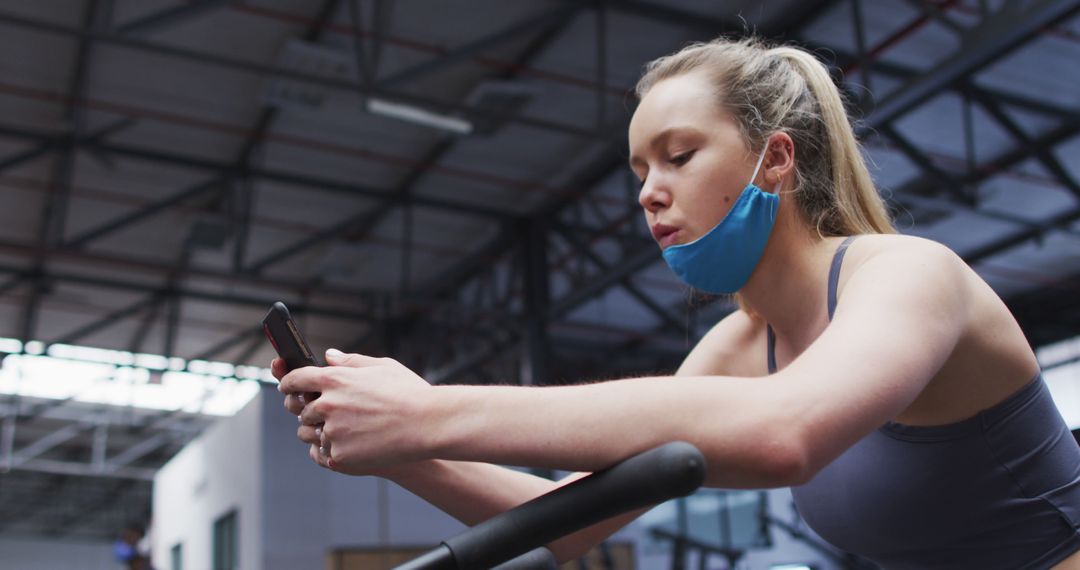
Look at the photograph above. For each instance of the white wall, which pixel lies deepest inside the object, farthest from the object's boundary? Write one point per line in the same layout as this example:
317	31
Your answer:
40	554
215	473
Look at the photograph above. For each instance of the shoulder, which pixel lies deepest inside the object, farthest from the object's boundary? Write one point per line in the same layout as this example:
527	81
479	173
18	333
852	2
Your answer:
895	277
735	346
896	246
908	264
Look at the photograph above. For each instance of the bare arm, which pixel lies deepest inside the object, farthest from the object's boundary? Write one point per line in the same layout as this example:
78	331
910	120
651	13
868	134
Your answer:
900	317
902	314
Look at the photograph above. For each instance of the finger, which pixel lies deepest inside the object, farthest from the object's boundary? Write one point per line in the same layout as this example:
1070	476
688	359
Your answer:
294	404
313	414
335	357
278	369
307	434
313	453
306	379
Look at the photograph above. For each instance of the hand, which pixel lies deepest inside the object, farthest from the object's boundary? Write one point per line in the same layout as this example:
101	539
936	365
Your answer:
369	415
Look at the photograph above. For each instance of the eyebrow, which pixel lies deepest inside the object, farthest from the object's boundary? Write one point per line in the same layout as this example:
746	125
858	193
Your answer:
662	137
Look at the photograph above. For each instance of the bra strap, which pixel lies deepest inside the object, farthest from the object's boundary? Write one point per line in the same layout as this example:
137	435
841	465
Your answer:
834	272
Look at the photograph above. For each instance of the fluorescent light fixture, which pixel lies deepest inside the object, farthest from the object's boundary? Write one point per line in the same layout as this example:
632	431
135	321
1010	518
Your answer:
120	378
10	345
791	567
88	354
152	361
418	116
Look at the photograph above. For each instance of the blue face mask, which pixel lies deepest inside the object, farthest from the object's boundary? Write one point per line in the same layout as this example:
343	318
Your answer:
721	261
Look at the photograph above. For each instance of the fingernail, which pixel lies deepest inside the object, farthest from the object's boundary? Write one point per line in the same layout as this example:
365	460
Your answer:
334	352
298	420
330	463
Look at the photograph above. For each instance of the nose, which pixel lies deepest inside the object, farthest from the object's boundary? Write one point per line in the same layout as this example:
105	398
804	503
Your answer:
653	196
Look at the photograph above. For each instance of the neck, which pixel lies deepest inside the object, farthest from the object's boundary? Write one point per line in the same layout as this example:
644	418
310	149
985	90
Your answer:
789	285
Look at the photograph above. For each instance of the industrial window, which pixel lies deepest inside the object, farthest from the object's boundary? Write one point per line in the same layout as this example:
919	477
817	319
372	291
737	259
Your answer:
176	557
225	548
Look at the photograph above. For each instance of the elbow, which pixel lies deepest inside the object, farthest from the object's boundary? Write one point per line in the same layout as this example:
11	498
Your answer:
787	466
783	458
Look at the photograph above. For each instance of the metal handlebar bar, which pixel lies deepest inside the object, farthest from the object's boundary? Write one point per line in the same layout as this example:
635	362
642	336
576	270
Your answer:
516	537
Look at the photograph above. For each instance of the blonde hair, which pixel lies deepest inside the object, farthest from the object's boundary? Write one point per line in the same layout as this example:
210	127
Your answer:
771	89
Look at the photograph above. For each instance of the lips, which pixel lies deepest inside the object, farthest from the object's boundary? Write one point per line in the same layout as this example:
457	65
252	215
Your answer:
665	235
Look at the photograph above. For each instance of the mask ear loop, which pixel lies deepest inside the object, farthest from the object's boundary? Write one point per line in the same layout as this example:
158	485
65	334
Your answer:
760	160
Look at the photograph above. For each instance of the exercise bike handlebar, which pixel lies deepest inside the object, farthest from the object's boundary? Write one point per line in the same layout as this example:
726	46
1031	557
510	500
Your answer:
666	472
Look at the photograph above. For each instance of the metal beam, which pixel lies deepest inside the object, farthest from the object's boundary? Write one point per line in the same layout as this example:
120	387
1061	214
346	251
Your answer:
945	181
536	349
141	267
797	17
227	298
902	72
555	17
278	176
54	212
1002	163
994	37
91	507
47	146
243	189
47	442
657	12
626	267
667	320
264	70
107	320
233	340
931	9
134	452
168	17
363	223
1042	153
126	220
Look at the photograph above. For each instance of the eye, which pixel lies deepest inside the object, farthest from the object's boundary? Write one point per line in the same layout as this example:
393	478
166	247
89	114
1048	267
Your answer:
681	159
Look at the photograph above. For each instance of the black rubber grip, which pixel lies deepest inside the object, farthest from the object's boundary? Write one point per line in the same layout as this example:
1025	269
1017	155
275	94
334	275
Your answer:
536	559
666	472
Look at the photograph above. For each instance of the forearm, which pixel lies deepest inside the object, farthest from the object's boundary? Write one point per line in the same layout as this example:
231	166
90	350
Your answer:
474	492
735	422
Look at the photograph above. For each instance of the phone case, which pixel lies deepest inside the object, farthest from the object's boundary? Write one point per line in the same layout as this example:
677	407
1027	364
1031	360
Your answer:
282	332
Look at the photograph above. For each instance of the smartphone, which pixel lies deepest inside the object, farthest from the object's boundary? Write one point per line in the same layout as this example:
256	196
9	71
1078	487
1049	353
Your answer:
283	333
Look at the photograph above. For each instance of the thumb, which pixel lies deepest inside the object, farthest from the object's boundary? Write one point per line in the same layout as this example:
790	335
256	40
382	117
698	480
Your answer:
335	357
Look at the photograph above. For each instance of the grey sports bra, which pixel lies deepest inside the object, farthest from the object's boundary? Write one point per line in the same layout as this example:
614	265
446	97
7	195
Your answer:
997	490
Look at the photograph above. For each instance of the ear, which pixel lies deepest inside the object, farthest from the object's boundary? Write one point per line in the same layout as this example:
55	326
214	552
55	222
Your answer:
779	160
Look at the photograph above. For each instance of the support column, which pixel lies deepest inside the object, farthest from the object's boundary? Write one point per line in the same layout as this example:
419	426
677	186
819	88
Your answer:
535	362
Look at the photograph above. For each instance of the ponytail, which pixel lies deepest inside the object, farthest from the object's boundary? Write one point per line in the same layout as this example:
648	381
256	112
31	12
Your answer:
860	210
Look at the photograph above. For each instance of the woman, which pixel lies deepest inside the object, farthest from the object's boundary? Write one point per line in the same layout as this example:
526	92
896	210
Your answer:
879	377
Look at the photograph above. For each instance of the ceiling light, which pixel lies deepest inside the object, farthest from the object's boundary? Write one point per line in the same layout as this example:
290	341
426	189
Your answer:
418	116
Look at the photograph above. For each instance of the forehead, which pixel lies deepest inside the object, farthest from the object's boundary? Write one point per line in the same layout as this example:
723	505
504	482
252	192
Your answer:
684	99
